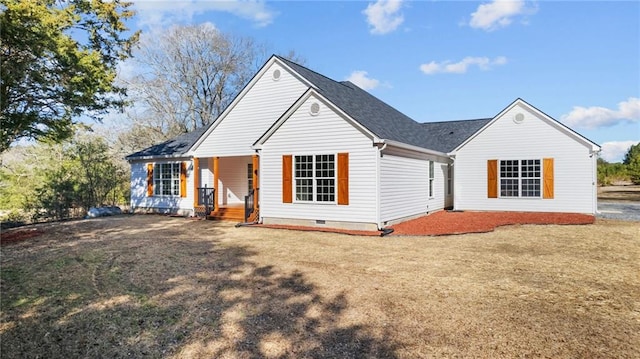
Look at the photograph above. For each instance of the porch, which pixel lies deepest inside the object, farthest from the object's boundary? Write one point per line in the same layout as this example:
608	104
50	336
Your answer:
226	188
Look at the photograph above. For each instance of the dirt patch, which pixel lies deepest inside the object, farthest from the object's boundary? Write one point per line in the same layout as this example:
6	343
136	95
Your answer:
18	235
448	222
619	193
160	287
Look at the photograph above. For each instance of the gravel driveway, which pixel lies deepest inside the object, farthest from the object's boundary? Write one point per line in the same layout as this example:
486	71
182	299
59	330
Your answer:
626	211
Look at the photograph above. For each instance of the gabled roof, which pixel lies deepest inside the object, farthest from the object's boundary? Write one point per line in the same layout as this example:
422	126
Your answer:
376	116
594	147
175	147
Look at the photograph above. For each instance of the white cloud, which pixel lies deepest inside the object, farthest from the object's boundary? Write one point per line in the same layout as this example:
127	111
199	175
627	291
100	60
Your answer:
383	16
484	63
614	151
363	81
595	117
498	13
162	13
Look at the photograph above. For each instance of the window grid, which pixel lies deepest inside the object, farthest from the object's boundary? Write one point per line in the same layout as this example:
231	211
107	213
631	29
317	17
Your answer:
449	179
304	178
530	173
520	178
166	179
249	177
315	178
431	176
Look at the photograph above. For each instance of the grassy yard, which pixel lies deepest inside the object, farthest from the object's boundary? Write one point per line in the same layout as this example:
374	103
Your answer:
154	286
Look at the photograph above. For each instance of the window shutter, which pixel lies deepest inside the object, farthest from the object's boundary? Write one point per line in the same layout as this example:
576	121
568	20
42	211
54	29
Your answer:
492	178
287	183
183	179
547	187
343	178
149	179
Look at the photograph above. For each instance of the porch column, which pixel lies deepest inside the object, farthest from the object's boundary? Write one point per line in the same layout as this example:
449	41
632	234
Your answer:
196	182
215	182
256	162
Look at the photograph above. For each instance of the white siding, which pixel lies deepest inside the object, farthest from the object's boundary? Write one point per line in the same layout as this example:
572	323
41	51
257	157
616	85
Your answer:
140	201
232	180
252	115
404	184
206	173
534	138
326	133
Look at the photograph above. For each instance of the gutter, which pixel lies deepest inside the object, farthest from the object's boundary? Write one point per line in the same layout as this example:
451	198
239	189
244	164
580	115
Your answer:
413	148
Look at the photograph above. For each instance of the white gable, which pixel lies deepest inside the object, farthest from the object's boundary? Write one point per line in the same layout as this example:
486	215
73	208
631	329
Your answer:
525	113
269	94
521	132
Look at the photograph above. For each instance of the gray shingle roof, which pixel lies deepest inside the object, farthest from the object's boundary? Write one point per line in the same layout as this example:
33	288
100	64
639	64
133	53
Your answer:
175	147
447	135
378	117
385	121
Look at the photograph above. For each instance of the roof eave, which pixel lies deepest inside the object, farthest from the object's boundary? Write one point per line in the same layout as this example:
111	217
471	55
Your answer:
155	157
413	148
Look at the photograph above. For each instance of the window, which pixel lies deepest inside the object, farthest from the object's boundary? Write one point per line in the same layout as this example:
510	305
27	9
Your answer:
449	179
431	175
520	178
249	177
166	179
315	178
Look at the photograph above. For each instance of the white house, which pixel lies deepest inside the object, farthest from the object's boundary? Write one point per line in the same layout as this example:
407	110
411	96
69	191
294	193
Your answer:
295	147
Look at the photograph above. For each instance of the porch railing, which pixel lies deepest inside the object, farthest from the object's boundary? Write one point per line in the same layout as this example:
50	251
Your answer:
205	198
249	204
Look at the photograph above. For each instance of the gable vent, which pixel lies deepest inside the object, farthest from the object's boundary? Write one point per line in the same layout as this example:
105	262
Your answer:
276	74
518	118
314	109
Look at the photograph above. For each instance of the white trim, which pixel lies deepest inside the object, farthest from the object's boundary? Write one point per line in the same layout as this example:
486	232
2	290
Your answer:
273	59
413	148
550	120
520	178
296	105
313	179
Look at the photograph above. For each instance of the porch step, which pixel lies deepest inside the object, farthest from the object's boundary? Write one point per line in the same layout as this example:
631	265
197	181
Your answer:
229	214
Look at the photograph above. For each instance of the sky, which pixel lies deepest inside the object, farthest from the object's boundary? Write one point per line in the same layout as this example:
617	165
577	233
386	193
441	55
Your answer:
577	61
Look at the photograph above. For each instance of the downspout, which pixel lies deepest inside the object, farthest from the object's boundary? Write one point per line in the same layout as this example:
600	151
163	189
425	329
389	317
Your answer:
594	181
453	181
378	185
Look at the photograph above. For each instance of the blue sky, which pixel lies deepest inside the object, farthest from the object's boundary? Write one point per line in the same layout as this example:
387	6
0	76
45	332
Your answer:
577	61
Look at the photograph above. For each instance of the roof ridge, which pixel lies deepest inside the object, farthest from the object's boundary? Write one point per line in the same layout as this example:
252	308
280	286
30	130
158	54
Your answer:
450	121
310	70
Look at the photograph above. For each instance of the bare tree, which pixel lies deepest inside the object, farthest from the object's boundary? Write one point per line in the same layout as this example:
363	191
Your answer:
189	75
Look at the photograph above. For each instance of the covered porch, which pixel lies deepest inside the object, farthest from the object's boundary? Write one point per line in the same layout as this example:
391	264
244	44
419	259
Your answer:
226	187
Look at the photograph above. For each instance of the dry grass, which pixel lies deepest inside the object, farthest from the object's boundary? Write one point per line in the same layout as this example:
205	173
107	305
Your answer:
169	287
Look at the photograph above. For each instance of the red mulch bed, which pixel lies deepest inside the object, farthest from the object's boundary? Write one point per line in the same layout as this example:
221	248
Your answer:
18	236
444	222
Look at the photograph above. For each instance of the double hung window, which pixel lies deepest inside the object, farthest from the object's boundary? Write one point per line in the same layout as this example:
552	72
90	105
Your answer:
166	179
315	178
520	178
431	177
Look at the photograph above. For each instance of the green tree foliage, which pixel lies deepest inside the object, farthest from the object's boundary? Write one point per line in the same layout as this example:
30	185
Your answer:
632	161
55	181
58	61
610	172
